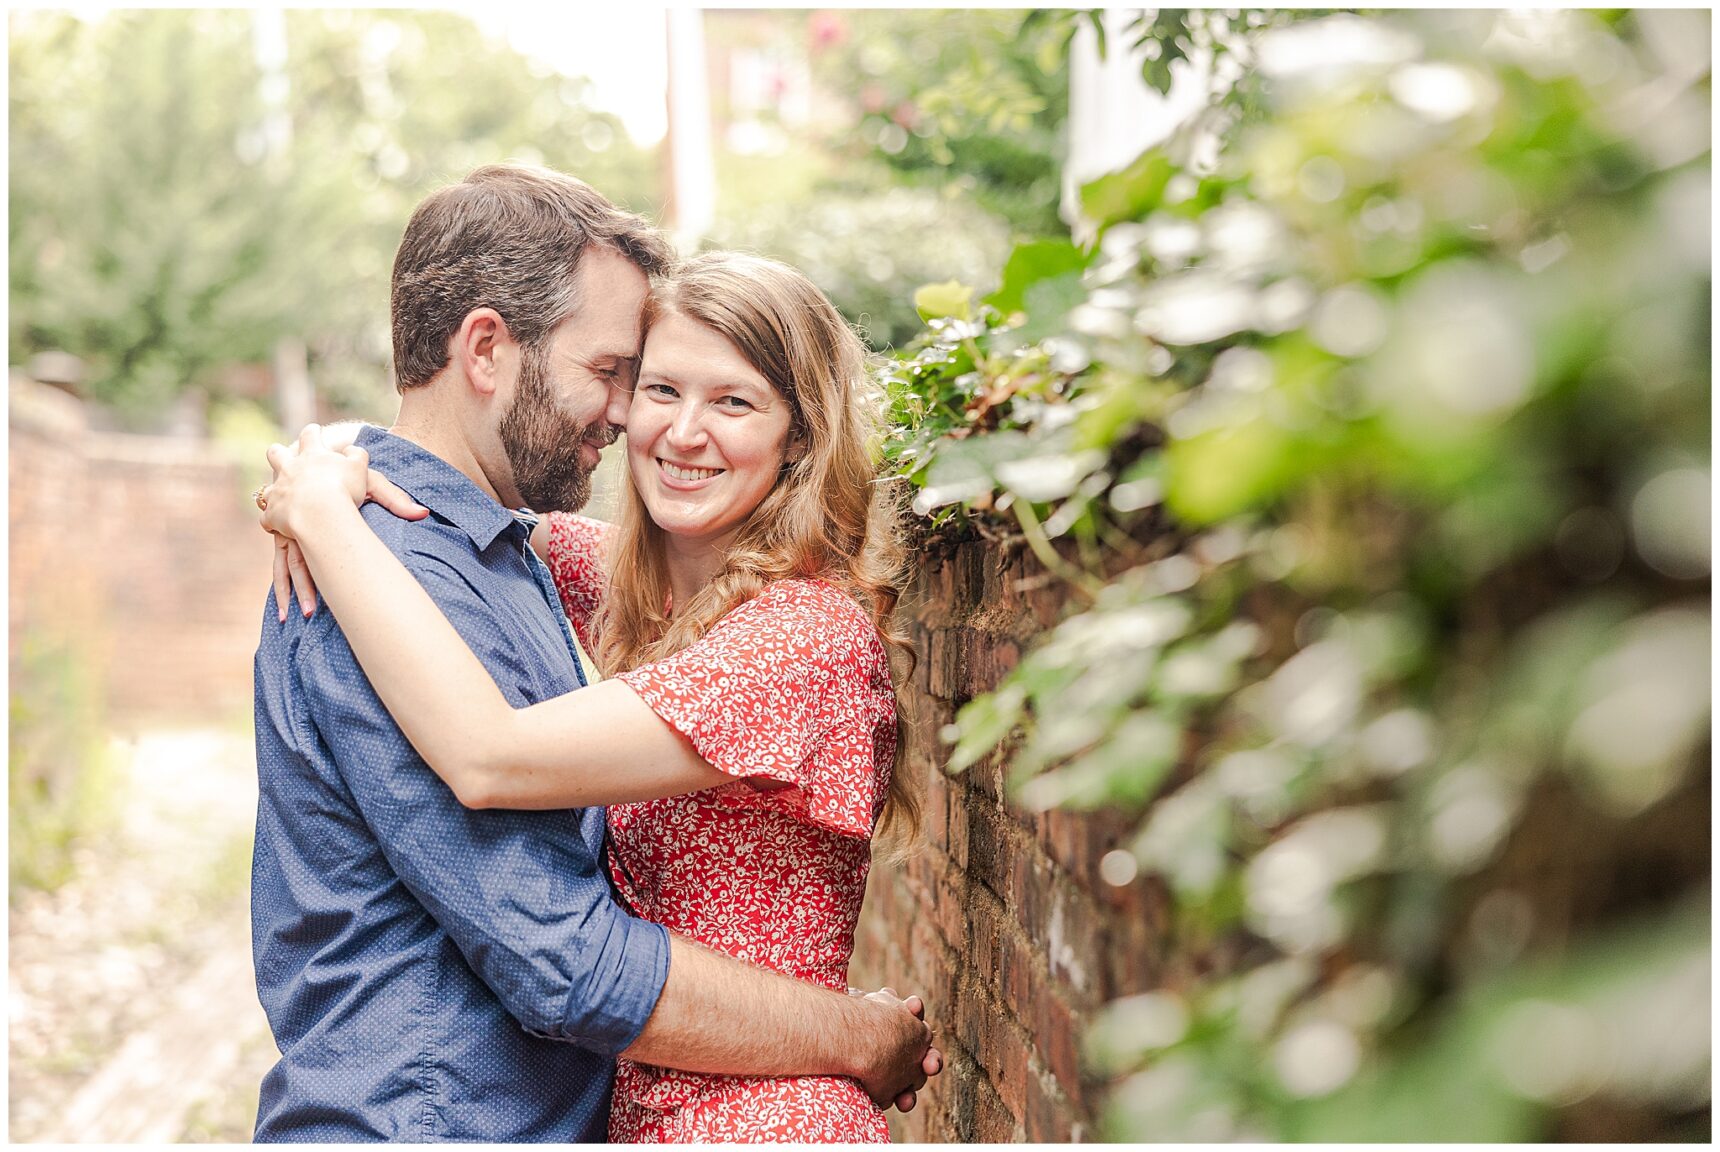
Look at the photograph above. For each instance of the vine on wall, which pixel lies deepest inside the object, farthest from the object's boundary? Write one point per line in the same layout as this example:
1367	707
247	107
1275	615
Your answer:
1374	454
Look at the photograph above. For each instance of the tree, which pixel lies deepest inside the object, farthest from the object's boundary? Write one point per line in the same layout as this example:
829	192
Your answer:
157	233
961	102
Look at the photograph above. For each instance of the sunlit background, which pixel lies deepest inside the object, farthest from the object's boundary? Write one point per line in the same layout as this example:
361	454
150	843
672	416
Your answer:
1352	372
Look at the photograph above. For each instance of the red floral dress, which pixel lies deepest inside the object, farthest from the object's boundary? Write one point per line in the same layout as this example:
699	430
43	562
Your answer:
790	694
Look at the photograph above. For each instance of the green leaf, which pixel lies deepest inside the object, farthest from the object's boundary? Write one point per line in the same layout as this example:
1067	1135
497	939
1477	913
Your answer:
1130	193
1126	769
965	469
1049	303
1031	263
950	300
1454	1085
1097	19
983	722
1227	470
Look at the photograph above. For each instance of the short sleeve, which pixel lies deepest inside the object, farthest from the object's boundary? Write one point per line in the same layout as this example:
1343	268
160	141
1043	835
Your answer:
576	564
792	687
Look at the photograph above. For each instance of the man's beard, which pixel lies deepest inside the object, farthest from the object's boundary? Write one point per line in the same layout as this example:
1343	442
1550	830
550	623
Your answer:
543	443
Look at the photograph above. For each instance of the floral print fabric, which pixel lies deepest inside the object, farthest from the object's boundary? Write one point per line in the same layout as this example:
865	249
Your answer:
790	694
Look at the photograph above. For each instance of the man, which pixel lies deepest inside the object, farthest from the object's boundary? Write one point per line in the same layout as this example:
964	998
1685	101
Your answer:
437	973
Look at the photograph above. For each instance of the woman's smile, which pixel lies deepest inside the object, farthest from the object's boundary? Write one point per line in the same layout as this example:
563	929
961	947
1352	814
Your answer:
685	477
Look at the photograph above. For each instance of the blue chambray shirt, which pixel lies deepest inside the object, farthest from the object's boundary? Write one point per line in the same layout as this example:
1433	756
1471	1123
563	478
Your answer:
432	972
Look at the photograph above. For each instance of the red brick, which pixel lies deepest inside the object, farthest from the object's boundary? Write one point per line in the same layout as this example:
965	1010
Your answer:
948	909
1077	840
1143	937
962	1084
1051	1117
982	781
944	669
1022	980
970	922
1062	924
1057	1037
190	629
1006	1059
959	840
993	1122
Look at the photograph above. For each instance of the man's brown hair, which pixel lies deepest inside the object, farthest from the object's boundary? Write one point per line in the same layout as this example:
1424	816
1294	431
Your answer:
507	237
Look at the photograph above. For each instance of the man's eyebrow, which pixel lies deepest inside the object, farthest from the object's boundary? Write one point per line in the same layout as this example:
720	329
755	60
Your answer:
611	354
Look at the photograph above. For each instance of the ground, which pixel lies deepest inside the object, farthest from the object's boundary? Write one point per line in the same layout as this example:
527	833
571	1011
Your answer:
133	1013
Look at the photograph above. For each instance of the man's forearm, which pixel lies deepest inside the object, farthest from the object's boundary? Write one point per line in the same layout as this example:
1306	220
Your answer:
717	1014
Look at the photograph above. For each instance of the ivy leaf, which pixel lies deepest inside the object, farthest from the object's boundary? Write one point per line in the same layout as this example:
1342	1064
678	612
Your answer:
1127	768
1129	194
1032	263
1097	19
1454	1086
1227	471
967	469
950	300
1049	303
983	722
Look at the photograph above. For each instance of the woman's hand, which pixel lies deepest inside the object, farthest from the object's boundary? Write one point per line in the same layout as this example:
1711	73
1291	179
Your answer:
319	470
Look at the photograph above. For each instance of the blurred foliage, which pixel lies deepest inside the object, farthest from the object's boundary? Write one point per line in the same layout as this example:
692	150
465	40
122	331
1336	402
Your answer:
177	207
1162	37
965	102
935	139
57	770
1376	459
869	251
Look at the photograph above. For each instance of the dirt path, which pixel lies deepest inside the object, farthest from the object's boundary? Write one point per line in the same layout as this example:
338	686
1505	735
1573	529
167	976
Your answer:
132	1011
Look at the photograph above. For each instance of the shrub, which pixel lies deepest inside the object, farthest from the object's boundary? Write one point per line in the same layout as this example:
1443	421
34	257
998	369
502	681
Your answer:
1415	382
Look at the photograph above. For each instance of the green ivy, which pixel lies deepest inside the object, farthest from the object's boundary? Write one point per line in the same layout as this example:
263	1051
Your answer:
1376	459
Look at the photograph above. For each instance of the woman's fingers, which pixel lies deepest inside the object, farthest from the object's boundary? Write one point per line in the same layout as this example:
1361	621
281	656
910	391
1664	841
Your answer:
393	497
292	576
311	437
301	576
283	582
277	455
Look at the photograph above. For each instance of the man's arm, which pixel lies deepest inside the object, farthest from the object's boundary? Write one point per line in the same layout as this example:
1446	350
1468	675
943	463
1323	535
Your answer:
717	1014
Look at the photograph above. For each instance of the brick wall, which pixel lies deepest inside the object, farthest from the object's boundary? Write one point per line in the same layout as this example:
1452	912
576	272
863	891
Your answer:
1002	921
145	548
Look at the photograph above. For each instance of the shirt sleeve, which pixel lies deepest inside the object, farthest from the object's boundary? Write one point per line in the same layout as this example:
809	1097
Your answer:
521	894
789	688
576	563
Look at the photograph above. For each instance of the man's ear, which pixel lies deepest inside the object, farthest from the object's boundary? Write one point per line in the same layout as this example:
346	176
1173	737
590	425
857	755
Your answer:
484	349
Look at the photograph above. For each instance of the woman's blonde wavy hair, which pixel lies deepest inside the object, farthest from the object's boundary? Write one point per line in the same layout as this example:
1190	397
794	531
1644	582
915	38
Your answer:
824	518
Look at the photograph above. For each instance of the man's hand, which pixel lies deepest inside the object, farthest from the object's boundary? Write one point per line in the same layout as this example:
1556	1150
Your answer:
896	1054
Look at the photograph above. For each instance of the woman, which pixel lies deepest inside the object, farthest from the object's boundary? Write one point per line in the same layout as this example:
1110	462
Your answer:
746	738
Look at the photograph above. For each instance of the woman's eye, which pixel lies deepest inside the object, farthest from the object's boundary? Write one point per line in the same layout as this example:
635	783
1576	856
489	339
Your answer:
661	391
733	404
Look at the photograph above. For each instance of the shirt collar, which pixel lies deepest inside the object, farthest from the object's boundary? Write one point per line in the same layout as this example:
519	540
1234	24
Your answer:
438	485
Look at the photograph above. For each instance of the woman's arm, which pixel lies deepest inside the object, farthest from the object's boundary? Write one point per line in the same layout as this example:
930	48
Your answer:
600	745
291	576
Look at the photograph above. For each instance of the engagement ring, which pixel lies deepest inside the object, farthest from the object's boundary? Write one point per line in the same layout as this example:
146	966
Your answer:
262	500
